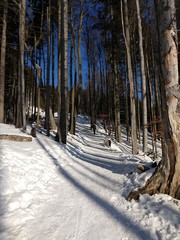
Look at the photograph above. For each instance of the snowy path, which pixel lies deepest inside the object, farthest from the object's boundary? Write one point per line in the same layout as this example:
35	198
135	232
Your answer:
77	192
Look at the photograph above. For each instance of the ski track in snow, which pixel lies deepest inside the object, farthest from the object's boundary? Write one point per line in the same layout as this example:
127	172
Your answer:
78	192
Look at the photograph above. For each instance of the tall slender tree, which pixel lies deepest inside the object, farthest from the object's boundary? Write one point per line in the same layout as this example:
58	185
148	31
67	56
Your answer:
116	87
79	50
21	109
125	22
143	77
73	86
2	63
63	74
48	70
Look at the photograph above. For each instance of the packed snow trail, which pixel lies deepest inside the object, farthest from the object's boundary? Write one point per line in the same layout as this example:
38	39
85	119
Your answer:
77	191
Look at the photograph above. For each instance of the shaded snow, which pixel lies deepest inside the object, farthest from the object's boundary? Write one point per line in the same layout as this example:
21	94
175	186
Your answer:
78	192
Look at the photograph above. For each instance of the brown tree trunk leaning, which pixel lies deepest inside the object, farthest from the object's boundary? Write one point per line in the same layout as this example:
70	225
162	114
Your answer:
166	178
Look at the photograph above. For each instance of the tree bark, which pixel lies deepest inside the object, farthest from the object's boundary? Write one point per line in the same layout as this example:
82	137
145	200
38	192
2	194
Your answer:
2	63
73	87
53	61
125	23
143	77
116	83
64	71
21	110
117	106
166	178
48	70
79	53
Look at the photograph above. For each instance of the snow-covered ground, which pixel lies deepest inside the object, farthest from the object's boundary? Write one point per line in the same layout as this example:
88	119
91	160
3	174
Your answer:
50	191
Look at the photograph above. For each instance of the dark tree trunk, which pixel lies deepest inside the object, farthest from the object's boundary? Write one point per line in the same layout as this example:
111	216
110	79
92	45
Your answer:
64	71
21	110
2	63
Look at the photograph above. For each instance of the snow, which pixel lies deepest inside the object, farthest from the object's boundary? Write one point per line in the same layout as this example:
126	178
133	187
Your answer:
78	191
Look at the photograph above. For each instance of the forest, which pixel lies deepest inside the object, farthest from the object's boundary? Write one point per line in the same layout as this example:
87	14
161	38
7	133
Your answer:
113	60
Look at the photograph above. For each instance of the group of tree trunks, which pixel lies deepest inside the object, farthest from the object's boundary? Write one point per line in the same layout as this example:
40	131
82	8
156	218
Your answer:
117	67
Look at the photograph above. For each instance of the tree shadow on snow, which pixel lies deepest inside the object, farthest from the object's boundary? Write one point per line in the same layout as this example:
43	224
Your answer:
97	140
128	223
113	164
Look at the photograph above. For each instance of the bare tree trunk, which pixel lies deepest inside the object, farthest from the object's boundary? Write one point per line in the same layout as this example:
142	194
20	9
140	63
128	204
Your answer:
151	110
143	77
130	75
51	119
58	135
153	83
117	106
22	44
138	104
71	86
116	84
53	61
38	69
93	92
39	74
79	53
21	114
2	63
127	107
108	88
89	73
73	114
74	97
48	71
64	71
166	178
72	124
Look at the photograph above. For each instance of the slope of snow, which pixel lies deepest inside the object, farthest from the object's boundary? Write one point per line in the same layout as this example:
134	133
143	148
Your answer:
78	192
